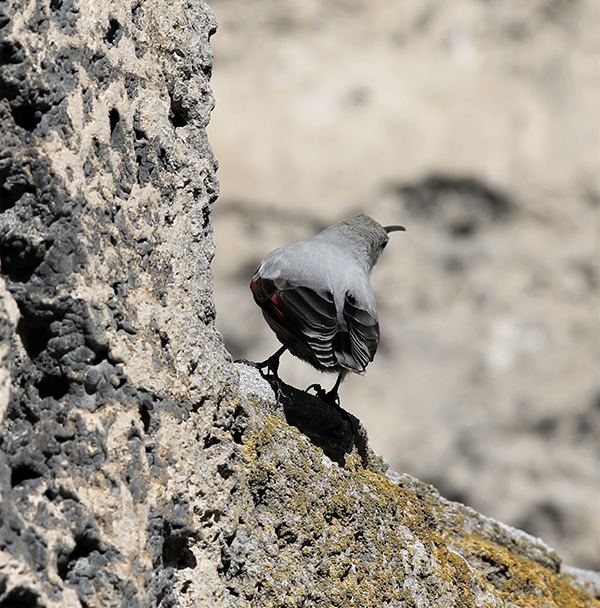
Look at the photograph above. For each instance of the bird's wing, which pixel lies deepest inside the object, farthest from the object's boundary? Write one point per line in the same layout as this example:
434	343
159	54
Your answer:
356	346
309	315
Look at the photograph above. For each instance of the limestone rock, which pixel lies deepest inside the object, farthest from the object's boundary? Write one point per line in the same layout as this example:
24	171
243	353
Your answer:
345	531
114	368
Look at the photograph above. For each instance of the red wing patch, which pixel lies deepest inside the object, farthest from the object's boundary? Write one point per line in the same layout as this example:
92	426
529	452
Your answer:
265	295
308	315
262	290
275	306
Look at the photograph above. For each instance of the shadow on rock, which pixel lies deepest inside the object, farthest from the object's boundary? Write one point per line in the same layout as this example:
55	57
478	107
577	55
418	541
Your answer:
329	427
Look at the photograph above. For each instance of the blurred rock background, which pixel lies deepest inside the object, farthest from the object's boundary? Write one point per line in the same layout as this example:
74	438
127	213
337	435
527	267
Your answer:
476	125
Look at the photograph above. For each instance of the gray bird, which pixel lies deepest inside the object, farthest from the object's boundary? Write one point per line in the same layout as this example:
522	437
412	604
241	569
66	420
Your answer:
316	296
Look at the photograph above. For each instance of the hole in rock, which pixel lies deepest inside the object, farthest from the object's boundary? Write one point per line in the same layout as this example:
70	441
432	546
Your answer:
113	33
26	116
9	195
177	554
178	115
10	52
20	258
20	597
22	473
53	386
34	333
85	545
114	118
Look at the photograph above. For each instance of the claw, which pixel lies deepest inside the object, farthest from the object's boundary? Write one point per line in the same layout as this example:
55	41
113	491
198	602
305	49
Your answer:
319	390
272	363
330	397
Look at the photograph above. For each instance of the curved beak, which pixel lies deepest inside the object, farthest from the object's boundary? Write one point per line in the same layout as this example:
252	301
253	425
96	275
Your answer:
389	229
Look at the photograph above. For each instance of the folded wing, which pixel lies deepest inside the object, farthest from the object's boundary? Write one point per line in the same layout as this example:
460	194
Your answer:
349	339
356	344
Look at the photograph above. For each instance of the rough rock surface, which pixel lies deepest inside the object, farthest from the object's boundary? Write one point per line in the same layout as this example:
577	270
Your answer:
134	470
116	372
477	126
331	529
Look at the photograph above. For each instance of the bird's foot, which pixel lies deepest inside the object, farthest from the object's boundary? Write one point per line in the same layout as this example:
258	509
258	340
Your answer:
331	397
271	365
319	390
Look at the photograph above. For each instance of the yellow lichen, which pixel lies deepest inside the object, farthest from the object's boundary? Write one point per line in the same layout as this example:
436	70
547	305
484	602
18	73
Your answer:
313	551
526	583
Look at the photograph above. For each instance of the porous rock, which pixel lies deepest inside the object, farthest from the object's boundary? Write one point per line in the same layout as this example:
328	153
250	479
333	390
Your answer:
330	531
113	469
134	471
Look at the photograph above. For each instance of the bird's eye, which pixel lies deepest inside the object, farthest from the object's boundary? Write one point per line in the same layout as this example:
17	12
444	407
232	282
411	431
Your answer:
384	244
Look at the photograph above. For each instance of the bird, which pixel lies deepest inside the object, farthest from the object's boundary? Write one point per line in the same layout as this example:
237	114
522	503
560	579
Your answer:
316	296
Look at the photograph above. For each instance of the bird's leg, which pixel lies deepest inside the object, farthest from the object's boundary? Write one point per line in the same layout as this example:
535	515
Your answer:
272	363
332	396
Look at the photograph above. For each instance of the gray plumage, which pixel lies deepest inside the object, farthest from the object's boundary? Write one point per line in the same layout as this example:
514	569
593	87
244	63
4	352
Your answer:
317	298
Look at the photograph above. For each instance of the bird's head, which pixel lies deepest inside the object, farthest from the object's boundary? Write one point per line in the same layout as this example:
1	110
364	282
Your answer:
364	237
